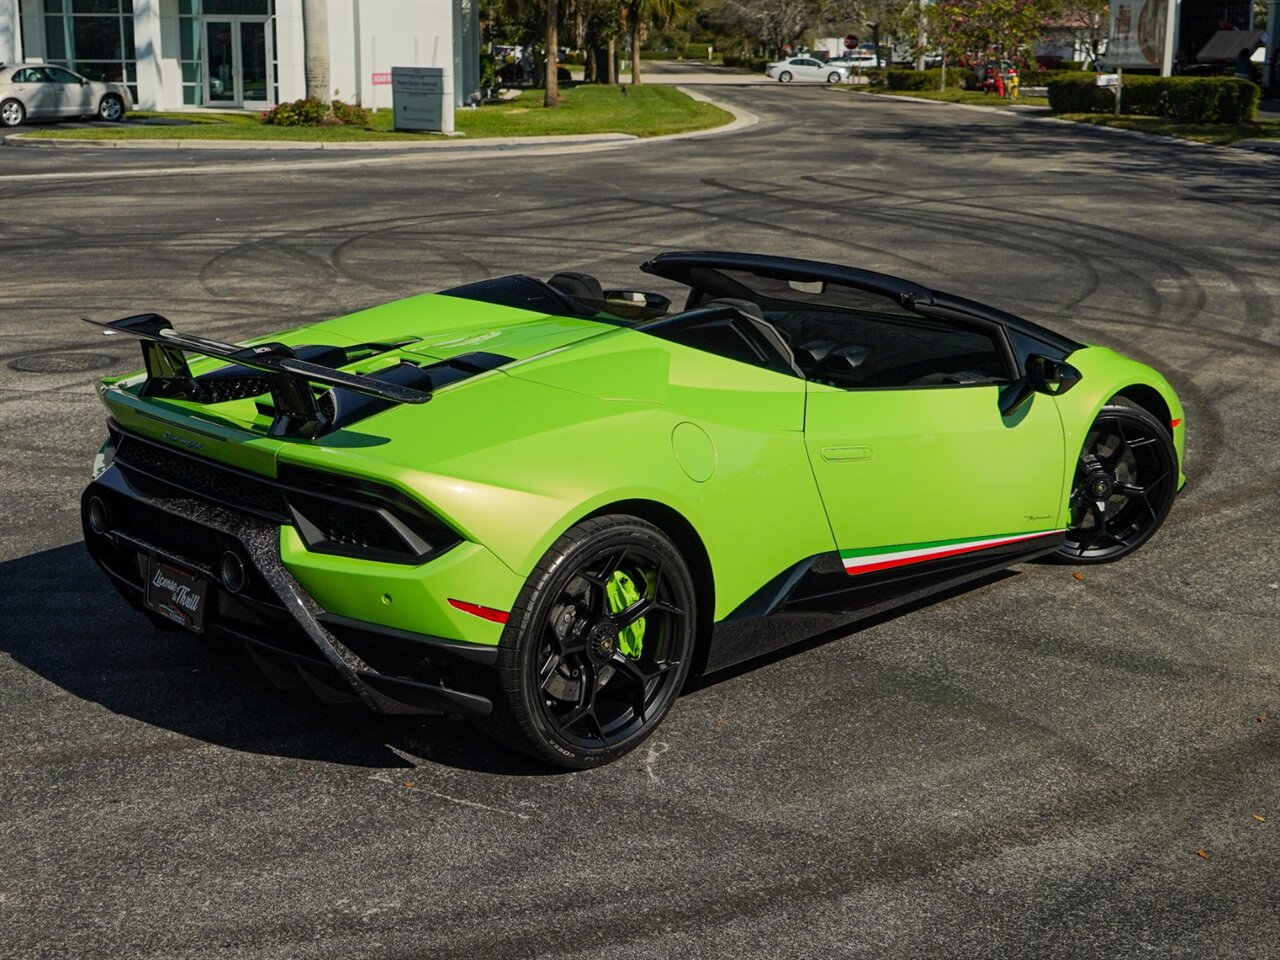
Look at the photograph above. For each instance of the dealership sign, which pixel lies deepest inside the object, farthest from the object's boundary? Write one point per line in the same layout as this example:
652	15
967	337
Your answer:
1138	33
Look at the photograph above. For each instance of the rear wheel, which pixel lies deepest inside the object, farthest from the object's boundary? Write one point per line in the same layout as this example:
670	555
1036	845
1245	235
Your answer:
1125	480
111	108
784	76
12	113
598	645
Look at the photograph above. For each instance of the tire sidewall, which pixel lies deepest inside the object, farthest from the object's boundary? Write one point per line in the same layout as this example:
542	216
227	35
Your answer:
519	644
102	108
21	117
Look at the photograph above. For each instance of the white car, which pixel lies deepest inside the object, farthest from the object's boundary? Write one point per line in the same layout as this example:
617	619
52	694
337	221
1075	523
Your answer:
855	61
806	68
40	90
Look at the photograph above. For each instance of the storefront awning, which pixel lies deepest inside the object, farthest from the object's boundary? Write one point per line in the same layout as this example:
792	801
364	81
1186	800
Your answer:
1225	45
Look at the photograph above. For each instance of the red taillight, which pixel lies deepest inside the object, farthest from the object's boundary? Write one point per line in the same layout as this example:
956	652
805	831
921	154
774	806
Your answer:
484	613
1175	423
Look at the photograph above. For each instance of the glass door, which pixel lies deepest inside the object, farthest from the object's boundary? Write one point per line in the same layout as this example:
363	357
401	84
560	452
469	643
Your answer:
255	63
220	63
238	62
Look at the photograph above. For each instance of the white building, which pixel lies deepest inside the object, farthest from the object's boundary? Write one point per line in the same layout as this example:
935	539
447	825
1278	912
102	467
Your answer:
244	53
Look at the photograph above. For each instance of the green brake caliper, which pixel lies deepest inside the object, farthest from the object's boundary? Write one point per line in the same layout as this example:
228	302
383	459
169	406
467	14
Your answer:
622	593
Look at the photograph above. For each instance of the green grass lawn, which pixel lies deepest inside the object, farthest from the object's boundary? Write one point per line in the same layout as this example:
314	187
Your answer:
643	112
1221	134
954	95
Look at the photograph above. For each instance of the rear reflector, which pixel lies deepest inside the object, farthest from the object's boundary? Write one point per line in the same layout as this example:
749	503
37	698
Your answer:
1175	423
484	613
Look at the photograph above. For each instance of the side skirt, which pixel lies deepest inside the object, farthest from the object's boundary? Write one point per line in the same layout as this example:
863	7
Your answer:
818	594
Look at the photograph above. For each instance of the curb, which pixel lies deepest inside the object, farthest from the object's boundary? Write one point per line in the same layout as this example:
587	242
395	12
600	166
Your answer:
495	143
1257	148
742	119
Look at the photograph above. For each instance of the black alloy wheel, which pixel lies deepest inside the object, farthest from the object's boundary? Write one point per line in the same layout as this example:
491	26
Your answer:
1124	485
598	645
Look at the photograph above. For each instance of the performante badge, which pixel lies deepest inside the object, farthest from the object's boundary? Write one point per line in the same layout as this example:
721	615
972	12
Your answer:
183	441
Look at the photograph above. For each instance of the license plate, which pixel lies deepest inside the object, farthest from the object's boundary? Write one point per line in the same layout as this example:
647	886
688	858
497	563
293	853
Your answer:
176	595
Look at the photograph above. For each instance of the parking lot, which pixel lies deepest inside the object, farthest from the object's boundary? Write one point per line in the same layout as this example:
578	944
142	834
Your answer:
1039	766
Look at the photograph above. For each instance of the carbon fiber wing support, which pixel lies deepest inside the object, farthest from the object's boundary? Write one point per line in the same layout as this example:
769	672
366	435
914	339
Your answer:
289	378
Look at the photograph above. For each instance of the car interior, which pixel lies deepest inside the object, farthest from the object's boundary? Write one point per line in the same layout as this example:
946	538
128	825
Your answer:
832	334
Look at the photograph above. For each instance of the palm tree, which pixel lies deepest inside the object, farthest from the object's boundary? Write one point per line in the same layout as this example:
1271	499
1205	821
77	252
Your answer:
552	96
315	39
639	15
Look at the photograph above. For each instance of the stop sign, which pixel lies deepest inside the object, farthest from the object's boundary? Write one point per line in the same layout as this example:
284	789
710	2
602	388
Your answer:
850	42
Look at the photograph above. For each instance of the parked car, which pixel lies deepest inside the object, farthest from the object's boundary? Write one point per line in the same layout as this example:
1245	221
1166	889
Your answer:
856	61
41	90
603	495
806	68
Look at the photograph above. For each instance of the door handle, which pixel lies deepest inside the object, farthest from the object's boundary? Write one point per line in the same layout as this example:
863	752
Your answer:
839	454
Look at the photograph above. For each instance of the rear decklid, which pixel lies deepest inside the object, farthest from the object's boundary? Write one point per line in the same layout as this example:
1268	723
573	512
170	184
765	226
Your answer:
241	405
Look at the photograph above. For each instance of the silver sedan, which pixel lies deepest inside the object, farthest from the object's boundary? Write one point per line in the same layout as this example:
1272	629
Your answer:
806	68
42	90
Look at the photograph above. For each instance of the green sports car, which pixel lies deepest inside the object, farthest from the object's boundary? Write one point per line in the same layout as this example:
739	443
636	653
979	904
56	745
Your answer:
545	504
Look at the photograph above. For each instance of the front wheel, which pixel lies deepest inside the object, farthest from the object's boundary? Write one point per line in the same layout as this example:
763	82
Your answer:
1125	480
598	644
12	113
111	108
784	76
833	78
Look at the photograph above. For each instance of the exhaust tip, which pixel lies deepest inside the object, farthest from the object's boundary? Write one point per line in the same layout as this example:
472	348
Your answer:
232	572
99	517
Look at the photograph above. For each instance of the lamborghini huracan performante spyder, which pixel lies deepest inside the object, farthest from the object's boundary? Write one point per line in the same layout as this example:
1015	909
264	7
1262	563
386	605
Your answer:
545	504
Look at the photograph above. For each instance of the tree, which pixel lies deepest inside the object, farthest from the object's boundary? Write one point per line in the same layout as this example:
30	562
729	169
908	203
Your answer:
551	98
1086	24
970	31
777	24
638	16
315	41
884	18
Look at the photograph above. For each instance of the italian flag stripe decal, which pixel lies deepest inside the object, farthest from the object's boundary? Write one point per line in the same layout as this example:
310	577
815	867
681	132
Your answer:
883	558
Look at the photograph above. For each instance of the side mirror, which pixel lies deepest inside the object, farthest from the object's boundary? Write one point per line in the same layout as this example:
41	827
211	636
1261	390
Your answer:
83	82
1051	377
1054	377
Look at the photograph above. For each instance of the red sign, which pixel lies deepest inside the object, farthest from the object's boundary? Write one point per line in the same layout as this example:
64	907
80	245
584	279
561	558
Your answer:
381	79
850	42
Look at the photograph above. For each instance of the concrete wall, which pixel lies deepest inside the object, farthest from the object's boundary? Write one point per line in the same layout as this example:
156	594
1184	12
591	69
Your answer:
365	37
290	51
10	32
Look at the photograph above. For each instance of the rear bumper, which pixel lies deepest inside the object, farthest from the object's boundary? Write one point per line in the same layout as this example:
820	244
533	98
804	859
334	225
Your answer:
295	641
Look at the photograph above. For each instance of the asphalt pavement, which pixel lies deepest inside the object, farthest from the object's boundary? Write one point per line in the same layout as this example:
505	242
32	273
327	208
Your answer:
1041	766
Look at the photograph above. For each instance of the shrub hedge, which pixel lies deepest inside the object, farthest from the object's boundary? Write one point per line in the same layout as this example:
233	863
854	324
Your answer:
696	51
310	112
1185	99
754	64
899	79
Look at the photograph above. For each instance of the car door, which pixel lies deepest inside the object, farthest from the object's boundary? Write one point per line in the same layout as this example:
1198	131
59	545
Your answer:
31	87
70	94
919	472
813	69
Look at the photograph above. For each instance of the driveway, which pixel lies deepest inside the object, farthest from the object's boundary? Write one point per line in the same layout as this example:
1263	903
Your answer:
1040	766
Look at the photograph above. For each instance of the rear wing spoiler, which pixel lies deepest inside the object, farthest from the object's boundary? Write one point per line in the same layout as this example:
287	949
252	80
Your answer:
297	410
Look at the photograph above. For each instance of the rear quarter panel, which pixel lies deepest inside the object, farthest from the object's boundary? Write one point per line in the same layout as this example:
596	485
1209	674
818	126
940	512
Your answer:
513	459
